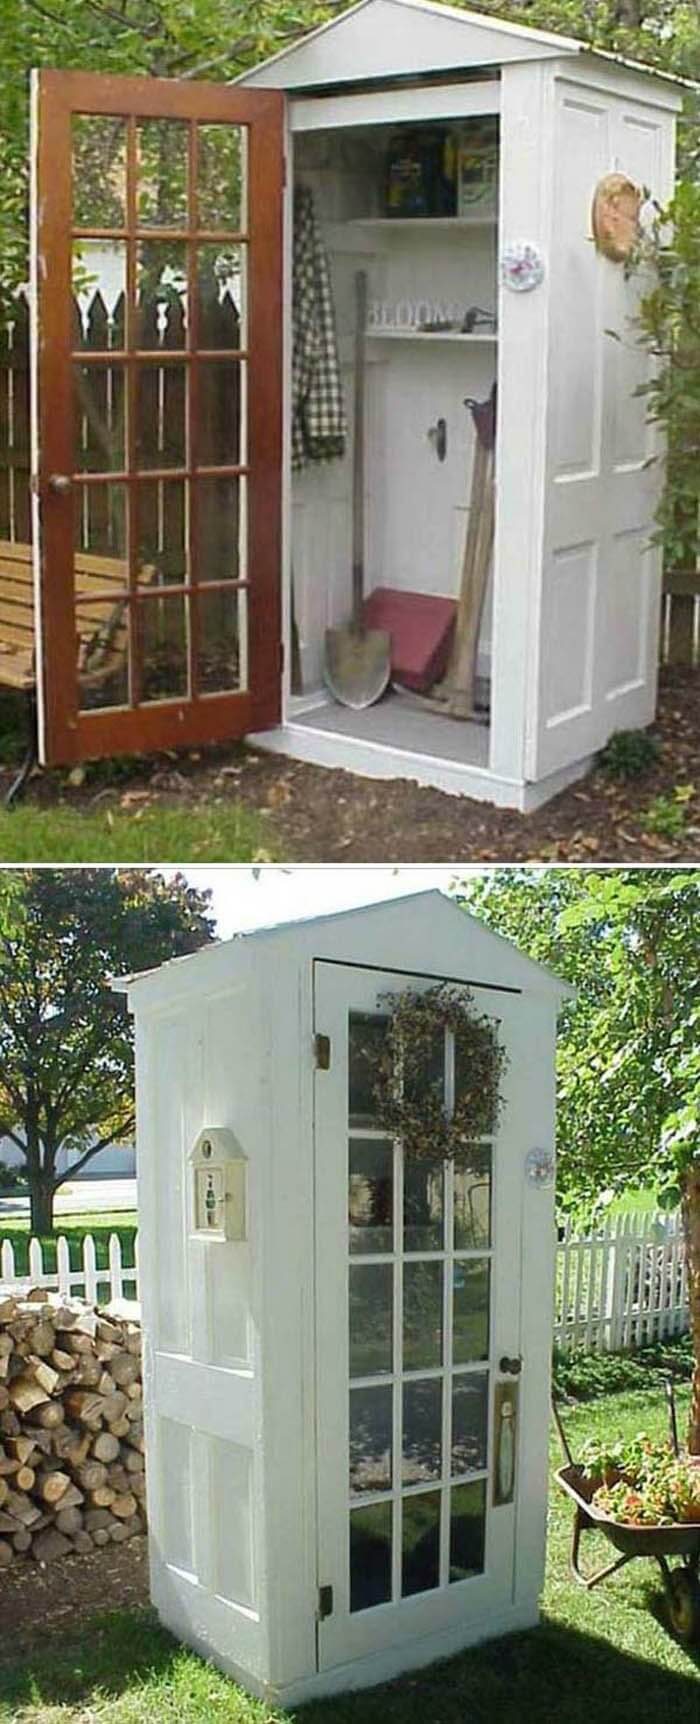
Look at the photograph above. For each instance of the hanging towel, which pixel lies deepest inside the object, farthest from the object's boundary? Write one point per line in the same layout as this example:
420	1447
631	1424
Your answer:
319	427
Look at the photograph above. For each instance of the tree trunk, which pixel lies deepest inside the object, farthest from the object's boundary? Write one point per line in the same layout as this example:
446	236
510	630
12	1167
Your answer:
41	1197
691	1227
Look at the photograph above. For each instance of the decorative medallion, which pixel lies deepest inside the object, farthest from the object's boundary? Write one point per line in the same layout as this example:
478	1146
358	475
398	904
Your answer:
540	1167
522	266
615	213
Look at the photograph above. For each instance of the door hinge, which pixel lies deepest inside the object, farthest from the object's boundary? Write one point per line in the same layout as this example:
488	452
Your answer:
322	1053
325	1602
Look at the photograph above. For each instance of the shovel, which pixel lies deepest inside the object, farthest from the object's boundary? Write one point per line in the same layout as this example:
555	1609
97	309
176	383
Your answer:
357	664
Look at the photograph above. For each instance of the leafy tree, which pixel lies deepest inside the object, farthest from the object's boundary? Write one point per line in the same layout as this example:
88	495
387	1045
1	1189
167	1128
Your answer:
629	1052
66	1041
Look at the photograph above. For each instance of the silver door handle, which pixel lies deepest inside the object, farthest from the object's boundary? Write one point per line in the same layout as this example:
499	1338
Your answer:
60	482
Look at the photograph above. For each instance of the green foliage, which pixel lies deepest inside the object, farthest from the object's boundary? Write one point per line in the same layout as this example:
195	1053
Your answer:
217	831
66	1039
629	1050
629	754
669	328
12	1178
582	1376
667	814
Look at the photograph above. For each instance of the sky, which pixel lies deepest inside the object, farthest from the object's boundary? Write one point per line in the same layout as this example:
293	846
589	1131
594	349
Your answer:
246	898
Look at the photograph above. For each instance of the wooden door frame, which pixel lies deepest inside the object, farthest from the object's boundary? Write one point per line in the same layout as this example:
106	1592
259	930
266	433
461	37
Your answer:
65	733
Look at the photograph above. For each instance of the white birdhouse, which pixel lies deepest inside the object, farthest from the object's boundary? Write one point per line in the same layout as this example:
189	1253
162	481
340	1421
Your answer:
219	1185
346	1411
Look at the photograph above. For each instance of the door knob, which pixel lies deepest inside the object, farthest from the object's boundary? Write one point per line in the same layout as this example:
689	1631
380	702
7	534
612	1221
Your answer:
60	482
510	1367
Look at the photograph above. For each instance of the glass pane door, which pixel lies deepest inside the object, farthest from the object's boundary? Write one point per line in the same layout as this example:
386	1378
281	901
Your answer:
418	1298
419	1256
159	411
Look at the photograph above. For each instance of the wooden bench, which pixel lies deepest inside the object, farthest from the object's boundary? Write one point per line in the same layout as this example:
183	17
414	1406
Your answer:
101	626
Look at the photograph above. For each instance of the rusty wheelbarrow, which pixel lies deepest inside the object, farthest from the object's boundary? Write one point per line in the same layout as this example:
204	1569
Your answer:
661	1543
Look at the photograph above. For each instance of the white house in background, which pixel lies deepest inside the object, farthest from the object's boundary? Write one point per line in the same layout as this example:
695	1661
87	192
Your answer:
117	1161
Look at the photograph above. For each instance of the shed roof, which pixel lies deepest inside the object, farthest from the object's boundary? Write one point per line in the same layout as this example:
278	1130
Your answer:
388	39
432	904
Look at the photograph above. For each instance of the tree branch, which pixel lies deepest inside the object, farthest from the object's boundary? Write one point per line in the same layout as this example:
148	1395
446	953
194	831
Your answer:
88	1154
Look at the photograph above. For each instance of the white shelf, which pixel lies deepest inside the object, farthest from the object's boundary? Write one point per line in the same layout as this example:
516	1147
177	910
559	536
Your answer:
489	340
445	224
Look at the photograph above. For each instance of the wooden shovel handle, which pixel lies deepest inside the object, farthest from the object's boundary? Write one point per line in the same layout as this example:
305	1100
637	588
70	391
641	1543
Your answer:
358	469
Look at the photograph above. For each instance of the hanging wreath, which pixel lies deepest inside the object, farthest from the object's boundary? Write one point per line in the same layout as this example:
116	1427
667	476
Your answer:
408	1073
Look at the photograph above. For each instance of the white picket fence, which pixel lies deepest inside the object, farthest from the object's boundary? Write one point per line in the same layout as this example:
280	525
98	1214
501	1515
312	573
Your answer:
118	1280
623	1285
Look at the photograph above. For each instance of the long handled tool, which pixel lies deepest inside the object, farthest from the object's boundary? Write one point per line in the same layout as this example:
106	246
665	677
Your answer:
357	659
460	679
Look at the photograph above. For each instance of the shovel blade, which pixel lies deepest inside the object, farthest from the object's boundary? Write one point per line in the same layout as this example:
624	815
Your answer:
357	665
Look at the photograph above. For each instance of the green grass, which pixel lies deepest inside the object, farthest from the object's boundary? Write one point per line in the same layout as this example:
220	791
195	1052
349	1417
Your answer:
74	1228
604	1657
221	833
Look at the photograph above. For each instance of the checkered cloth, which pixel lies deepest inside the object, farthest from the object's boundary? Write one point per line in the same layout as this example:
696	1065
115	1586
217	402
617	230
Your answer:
319	427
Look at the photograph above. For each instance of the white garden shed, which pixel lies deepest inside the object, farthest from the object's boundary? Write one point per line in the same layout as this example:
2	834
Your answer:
569	633
346	1350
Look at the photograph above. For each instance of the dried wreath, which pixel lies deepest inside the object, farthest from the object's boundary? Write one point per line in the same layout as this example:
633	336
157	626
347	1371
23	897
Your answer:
408	1073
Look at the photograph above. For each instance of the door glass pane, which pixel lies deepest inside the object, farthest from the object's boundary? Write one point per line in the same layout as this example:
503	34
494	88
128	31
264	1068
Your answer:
422	1431
219	656
103	662
221	295
370	1439
220	529
99	442
161	416
423	1191
473	1201
420	1566
464	1076
100	526
161	293
471	1280
422	1316
220	398
99	170
161	539
370	1555
163	636
221	176
99	289
467	1530
371	1195
371	1309
426	1076
469	1422
366	1039
161	191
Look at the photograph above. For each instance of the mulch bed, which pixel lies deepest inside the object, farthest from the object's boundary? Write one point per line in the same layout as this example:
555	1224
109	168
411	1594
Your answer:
314	814
45	1599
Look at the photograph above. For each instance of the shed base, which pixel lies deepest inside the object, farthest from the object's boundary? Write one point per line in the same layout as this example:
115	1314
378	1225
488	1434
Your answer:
393	741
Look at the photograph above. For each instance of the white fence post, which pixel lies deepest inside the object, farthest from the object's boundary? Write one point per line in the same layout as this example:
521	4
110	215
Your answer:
98	1286
622	1286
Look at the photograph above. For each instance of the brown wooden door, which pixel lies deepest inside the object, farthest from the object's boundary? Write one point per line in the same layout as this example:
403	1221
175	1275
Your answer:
157	467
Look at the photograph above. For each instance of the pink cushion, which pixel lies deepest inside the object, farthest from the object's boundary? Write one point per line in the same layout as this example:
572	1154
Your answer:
420	625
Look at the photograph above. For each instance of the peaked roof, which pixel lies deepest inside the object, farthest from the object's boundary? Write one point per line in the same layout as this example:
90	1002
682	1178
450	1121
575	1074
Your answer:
397	38
431	902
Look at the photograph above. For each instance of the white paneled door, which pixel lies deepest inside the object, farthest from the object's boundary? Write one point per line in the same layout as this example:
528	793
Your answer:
418	1329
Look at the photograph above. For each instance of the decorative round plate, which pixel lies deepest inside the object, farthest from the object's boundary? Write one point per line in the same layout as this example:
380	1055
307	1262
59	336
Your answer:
522	266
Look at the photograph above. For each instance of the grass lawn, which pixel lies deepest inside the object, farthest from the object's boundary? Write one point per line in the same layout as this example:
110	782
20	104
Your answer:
599	1658
213	833
73	1227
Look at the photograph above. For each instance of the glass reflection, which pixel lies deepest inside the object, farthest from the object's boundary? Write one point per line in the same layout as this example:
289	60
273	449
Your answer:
467	1530
422	1316
370	1439
469	1422
423	1204
370	1555
472	1203
420	1565
471	1282
371	1195
422	1431
371	1309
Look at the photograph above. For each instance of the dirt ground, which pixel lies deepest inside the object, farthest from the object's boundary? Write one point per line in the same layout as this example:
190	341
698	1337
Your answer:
41	1599
314	814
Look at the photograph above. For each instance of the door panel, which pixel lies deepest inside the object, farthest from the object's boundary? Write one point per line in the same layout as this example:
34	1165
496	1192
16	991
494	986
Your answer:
157	355
600	599
418	1274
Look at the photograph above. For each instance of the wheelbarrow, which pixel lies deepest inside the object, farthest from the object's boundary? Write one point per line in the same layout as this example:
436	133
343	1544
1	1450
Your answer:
662	1543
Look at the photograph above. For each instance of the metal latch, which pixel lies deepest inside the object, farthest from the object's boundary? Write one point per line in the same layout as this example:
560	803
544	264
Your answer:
325	1602
322	1051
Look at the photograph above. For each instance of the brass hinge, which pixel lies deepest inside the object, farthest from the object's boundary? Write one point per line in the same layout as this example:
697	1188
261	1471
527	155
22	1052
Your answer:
325	1602
322	1053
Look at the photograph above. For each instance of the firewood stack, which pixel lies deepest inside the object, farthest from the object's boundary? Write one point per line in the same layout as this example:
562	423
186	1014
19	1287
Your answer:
71	1427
